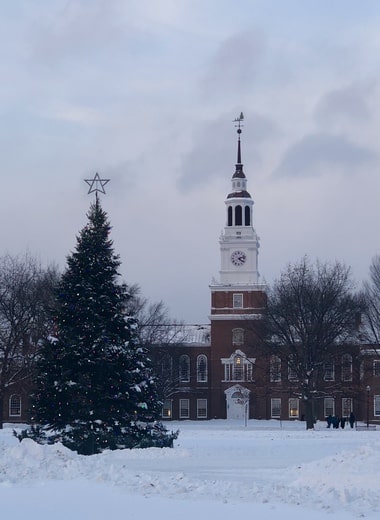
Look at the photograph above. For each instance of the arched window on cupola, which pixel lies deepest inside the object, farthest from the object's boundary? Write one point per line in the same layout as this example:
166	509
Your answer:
247	216
238	216
229	216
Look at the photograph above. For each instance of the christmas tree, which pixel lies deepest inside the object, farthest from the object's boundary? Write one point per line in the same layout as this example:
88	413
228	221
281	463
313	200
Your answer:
94	387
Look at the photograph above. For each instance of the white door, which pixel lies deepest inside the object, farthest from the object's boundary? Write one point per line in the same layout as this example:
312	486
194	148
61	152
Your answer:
237	406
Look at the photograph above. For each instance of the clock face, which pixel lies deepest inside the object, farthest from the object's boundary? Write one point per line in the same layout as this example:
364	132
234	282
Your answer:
238	258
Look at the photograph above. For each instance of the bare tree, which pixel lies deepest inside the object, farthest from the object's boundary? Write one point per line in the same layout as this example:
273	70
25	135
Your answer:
160	334
311	311
372	297
155	327
25	295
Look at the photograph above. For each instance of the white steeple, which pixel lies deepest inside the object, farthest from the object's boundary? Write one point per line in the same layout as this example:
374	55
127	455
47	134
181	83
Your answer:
239	243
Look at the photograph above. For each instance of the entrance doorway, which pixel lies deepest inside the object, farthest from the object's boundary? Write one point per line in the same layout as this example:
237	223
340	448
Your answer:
237	402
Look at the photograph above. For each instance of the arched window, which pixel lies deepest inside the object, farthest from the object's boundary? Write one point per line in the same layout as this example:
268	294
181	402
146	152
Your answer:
275	369
247	216
184	369
237	336
238	216
202	368
329	372
346	367
229	216
166	367
15	406
238	367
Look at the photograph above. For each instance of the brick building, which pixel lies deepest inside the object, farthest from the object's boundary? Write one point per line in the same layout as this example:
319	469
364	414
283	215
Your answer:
219	370
240	380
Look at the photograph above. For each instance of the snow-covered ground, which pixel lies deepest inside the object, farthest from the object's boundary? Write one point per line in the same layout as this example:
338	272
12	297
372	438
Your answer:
217	469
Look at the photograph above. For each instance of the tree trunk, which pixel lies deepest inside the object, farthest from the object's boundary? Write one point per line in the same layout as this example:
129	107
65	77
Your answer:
1	411
309	409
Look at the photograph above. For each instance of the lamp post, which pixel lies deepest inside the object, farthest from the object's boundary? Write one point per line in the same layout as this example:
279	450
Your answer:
368	391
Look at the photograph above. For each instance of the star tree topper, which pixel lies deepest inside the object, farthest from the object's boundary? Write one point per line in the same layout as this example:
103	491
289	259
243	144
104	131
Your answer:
97	184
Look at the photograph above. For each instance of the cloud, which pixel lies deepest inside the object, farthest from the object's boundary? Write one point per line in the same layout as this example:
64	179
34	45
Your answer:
322	153
234	66
215	142
81	31
350	104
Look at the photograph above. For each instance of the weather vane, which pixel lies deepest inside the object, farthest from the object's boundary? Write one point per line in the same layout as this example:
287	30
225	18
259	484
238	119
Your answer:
239	122
96	184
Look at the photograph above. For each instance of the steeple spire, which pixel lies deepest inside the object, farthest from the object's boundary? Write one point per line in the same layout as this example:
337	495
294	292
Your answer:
239	167
239	125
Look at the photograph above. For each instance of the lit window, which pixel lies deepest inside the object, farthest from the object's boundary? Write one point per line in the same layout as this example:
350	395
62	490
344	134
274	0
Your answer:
202	408
294	408
238	367
184	408
275	405
15	406
167	409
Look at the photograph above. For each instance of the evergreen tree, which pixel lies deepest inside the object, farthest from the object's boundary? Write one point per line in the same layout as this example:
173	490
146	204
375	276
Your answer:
95	388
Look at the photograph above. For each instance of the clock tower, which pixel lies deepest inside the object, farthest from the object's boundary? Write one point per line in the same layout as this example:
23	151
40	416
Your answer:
237	301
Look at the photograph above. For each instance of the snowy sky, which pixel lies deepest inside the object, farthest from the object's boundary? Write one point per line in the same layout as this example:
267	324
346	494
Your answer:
145	91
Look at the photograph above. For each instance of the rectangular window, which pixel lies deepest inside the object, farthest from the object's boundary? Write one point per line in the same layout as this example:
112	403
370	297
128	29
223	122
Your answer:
376	367
15	406
202	408
184	409
376	405
329	406
249	371
238	369
167	409
237	301
346	368
294	409
346	406
275	405
227	372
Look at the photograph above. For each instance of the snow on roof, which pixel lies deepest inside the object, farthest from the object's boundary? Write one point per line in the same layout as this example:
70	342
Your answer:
196	334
